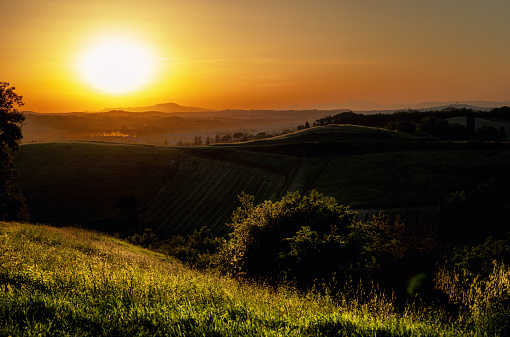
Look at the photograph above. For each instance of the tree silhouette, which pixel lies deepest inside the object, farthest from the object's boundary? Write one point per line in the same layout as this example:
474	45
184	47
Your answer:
237	136
12	203
226	138
502	134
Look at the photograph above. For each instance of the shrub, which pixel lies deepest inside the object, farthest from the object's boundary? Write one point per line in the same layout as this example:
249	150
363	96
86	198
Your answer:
196	250
400	262
297	238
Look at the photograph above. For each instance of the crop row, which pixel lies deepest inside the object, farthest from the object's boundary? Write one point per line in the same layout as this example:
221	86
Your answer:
204	193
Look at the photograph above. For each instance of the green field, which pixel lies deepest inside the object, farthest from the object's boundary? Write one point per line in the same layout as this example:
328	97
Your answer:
183	188
72	282
78	183
177	189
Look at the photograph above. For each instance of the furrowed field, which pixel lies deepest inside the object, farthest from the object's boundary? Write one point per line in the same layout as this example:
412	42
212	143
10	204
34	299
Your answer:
204	191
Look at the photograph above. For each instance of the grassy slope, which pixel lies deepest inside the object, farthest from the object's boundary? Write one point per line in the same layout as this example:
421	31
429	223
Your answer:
178	189
71	282
79	182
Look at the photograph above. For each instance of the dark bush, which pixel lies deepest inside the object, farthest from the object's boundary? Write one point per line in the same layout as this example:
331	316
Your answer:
297	238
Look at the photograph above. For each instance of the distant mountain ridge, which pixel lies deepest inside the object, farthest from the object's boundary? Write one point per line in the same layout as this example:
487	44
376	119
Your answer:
163	107
371	106
357	106
349	104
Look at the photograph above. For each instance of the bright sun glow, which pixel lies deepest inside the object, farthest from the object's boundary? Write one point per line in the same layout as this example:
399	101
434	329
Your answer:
116	66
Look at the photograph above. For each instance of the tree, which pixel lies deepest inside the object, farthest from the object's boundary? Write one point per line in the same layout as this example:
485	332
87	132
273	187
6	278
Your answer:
405	126
237	136
470	125
487	133
226	138
12	203
11	119
502	134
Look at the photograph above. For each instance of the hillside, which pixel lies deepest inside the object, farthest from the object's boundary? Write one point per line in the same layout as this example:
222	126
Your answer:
335	133
72	282
179	189
79	183
70	183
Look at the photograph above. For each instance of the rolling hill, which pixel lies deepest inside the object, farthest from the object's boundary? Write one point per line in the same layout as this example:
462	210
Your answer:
179	189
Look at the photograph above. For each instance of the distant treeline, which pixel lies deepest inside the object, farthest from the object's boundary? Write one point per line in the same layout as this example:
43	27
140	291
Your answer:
229	138
432	122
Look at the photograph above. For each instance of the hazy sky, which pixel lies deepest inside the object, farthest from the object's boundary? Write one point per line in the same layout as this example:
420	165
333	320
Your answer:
262	54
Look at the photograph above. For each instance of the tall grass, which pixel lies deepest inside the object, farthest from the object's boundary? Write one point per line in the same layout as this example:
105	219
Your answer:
482	303
71	282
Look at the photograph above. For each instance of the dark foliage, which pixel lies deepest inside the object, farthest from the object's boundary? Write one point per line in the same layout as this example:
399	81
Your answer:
473	215
382	119
297	238
431	122
478	259
196	250
12	203
311	238
487	133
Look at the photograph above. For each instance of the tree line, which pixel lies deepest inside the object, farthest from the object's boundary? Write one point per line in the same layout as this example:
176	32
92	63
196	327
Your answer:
430	122
236	137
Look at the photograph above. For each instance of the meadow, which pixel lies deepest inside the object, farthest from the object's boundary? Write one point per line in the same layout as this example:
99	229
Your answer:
74	282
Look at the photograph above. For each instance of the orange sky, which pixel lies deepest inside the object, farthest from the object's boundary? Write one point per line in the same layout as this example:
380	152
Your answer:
262	54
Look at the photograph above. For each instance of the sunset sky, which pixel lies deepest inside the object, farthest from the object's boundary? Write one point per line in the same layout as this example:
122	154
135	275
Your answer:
256	54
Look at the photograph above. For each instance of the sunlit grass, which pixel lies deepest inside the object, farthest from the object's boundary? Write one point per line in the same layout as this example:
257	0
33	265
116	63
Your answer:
68	281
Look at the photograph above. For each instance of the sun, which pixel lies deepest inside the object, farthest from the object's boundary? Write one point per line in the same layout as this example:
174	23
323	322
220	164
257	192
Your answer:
116	65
